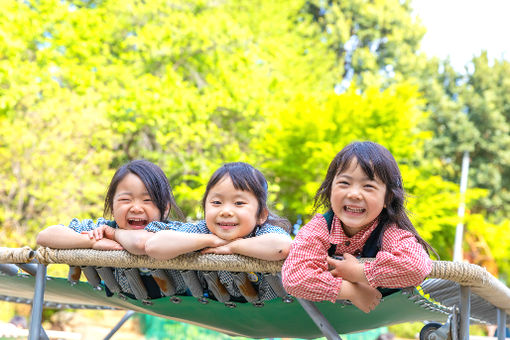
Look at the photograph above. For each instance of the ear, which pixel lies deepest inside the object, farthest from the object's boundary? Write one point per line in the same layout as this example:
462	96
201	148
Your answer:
263	216
167	210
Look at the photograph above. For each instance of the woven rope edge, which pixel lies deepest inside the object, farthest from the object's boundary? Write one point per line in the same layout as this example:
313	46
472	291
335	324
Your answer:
123	259
16	255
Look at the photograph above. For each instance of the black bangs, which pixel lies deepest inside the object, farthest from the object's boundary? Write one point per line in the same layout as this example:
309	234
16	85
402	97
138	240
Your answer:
244	177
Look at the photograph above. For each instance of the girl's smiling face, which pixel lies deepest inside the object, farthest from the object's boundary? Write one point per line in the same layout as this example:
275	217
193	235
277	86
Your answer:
231	213
356	199
133	207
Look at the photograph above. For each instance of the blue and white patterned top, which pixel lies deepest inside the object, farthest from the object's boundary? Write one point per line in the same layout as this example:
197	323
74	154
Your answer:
265	291
119	273
226	278
201	228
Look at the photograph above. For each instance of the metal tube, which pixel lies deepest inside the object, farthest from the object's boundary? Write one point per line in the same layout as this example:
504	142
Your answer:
459	231
465	312
37	303
501	324
125	318
9	269
319	319
30	268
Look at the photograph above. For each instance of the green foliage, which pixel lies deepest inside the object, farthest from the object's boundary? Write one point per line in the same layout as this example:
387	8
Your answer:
375	41
301	143
408	330
190	84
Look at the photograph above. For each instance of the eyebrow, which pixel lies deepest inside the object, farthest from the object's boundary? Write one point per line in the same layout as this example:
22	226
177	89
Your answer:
146	193
365	177
124	193
217	194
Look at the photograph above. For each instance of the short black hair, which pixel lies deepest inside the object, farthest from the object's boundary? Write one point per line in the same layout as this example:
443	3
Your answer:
155	182
246	178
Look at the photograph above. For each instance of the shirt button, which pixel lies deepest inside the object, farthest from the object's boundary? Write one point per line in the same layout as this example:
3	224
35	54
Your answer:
347	243
357	253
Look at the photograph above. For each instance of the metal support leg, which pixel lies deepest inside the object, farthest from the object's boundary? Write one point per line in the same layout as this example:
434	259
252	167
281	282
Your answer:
43	335
125	318
319	319
501	324
37	304
465	312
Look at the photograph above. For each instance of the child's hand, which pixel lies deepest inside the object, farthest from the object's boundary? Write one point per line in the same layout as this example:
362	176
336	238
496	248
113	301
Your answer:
100	232
361	295
106	244
349	268
221	250
216	241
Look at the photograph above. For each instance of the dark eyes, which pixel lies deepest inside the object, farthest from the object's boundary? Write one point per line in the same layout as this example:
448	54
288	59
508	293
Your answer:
238	203
345	183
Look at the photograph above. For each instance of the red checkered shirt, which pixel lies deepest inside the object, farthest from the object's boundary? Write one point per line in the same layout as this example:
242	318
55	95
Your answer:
401	261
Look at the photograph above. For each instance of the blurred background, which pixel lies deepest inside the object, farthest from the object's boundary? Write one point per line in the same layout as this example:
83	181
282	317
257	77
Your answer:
87	85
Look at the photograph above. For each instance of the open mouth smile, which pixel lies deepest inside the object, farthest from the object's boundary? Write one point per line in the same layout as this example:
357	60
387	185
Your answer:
354	210
137	222
227	225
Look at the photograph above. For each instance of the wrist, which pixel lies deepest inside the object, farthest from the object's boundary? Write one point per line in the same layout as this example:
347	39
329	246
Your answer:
211	241
345	291
234	246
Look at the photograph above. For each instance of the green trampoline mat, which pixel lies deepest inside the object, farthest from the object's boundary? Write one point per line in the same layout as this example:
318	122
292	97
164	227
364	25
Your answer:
275	319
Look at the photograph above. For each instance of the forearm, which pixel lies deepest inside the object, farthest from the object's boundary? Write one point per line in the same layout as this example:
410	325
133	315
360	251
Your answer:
357	274
269	247
168	244
133	240
62	237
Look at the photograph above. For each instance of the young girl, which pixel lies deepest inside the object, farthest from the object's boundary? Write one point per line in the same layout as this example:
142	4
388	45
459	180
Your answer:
138	194
364	193
237	221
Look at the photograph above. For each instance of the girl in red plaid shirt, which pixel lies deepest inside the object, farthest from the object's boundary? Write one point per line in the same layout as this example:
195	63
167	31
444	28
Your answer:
365	197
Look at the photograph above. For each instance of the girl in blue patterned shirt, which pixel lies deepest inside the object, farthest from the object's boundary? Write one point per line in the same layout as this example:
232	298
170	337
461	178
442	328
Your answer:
138	194
237	220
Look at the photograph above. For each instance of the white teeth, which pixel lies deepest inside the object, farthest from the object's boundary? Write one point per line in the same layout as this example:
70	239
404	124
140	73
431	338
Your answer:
356	210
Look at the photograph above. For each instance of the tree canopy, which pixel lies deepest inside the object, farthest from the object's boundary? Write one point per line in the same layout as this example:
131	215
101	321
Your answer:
88	85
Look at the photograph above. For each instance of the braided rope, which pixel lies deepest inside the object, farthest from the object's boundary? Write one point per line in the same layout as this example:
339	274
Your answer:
479	279
123	259
16	255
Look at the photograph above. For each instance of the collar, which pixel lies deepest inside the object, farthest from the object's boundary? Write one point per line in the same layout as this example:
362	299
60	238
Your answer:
338	234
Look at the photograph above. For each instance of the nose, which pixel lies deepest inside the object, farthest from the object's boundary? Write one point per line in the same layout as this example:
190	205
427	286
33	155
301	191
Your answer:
136	208
226	212
354	193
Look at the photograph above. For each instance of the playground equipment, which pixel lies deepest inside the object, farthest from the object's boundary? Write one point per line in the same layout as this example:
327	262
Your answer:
454	295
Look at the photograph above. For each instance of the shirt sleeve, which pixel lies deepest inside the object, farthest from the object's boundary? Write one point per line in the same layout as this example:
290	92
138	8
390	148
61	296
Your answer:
305	271
88	224
402	261
156	226
270	229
